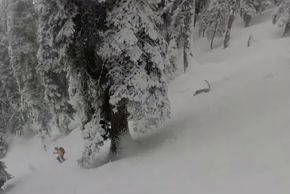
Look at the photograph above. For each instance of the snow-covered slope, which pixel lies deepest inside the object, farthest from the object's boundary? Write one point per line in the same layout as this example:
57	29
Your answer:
236	139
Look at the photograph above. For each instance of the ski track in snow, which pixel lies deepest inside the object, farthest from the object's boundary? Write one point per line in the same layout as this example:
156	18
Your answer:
234	139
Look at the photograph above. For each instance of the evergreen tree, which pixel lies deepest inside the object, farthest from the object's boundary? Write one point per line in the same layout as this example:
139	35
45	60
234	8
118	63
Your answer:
167	12
282	16
178	23
53	16
247	11
249	8
213	21
11	119
22	36
116	66
70	35
200	6
4	175
182	29
87	77
138	70
130	73
3	143
189	18
113	76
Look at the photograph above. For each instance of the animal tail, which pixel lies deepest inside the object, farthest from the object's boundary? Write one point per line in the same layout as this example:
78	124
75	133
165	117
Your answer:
207	84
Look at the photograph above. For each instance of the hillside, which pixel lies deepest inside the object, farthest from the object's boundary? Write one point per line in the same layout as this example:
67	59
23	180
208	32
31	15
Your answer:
233	140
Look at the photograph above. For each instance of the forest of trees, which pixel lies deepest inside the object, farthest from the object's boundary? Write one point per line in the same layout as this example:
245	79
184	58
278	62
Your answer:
103	63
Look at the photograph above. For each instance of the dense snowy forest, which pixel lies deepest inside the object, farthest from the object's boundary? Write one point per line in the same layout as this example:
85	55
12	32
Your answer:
101	63
104	66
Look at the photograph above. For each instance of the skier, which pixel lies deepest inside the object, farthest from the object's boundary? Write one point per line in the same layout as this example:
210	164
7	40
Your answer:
59	151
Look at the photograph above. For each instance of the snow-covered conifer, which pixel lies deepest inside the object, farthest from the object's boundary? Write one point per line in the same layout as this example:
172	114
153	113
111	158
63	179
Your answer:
138	69
282	16
213	21
250	8
183	25
10	117
23	46
178	22
55	29
200	6
4	175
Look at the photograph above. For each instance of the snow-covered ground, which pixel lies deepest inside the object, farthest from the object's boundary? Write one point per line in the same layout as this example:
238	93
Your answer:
236	139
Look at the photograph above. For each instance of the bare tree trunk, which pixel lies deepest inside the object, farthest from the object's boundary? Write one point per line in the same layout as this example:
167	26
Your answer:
185	52
287	28
249	41
189	20
119	129
213	36
228	32
230	23
203	33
